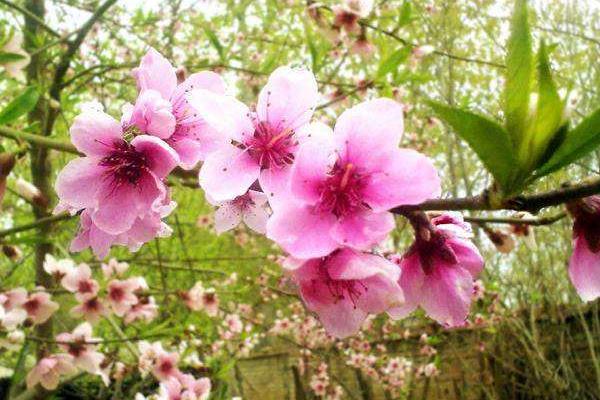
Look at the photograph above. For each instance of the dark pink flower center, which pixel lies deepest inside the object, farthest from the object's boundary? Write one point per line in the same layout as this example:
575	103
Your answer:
433	251
341	289
125	165
85	286
116	293
243	202
271	146
32	306
341	193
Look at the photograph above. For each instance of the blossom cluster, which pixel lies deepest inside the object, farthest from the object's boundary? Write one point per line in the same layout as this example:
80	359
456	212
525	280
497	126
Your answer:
323	195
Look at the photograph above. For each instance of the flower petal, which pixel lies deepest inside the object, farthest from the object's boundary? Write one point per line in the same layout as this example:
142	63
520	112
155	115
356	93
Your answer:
94	132
156	72
301	231
583	270
255	218
402	177
288	99
153	115
161	157
227	217
309	171
362	230
78	182
228	173
225	114
367	129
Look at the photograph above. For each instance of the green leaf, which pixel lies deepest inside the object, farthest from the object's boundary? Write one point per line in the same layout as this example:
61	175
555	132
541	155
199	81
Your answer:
487	138
549	108
391	63
405	14
10	57
19	106
519	72
214	40
578	142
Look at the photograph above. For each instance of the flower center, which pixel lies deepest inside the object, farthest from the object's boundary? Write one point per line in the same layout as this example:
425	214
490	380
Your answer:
32	306
125	164
117	294
271	146
85	286
341	192
341	289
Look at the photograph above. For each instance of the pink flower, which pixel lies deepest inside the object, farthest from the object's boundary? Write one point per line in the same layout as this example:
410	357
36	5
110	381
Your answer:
114	267
48	371
198	298
144	229
80	345
263	143
170	389
79	281
39	307
117	181
162	109
12	304
585	261
91	309
145	310
346	286
121	295
250	208
165	366
438	273
342	186
194	389
57	268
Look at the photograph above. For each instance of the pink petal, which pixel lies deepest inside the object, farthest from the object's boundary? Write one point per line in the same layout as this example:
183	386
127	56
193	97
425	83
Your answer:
468	255
275	184
156	72
201	80
381	294
194	142
225	114
121	205
363	230
350	264
309	171
403	176
227	217
302	232
228	173
583	270
94	132
367	129
161	157
78	182
341	319
288	99
255	218
446	294
412	280
315	131
153	115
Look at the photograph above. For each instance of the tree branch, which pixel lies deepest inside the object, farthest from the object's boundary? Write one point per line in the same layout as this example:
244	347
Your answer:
37	223
38	140
530	203
517	221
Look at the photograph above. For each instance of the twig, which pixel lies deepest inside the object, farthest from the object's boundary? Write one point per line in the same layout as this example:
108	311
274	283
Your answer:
37	223
37	140
517	221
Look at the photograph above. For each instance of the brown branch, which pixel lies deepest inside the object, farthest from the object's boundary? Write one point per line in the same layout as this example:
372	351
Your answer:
530	203
540	221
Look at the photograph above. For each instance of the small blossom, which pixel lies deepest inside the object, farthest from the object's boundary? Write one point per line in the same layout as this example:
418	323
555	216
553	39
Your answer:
114	267
79	281
91	309
57	268
48	371
39	307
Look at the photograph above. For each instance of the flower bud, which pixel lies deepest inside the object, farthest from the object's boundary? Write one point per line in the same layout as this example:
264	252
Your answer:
504	242
30	192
